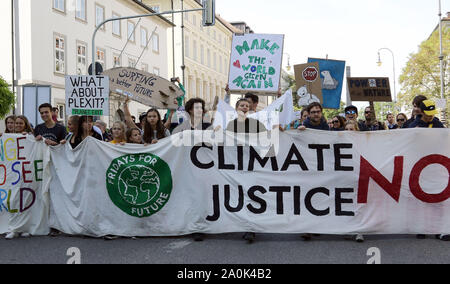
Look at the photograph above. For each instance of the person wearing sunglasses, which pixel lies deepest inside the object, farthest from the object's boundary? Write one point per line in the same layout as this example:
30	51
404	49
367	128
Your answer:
351	113
338	123
401	119
371	123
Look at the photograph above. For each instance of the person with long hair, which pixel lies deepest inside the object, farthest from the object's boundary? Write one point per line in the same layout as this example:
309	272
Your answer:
338	123
401	119
134	136
22	125
118	133
73	127
81	129
196	111
154	129
351	125
9	124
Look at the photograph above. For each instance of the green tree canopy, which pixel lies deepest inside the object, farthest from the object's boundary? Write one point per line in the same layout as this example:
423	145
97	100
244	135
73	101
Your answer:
421	76
7	99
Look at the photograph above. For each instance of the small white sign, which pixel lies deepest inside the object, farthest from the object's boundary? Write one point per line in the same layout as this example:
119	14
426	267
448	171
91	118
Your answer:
87	95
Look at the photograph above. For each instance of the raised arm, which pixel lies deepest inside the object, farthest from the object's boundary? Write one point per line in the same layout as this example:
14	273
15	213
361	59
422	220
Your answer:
128	120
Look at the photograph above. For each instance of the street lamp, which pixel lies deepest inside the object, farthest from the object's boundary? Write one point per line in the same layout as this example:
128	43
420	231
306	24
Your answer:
393	63
288	67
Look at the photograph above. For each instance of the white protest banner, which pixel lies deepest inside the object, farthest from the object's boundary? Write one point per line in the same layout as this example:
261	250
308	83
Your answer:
255	64
387	182
23	204
87	95
280	112
225	113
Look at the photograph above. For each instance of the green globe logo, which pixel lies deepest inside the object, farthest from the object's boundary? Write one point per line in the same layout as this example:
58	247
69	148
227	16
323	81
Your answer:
139	184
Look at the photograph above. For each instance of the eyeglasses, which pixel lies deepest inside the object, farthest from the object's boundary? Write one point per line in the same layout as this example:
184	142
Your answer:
315	112
351	112
368	112
401	120
335	121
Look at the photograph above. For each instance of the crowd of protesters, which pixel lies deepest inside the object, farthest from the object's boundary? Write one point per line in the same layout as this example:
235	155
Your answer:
152	127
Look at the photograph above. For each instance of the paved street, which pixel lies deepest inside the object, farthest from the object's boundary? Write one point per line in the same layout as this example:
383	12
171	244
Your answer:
225	249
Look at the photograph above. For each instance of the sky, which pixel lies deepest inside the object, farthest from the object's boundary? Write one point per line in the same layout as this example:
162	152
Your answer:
349	30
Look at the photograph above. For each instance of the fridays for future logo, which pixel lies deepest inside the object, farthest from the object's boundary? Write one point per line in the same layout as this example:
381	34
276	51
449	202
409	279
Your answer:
139	184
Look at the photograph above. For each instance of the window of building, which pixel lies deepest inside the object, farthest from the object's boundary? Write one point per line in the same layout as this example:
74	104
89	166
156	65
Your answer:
60	54
116	60
116	27
156	8
81	58
61	111
99	16
156	71
187	47
144	37
101	57
59	5
131	62
130	31
208	58
155	43
202	55
144	67
80	12
194	50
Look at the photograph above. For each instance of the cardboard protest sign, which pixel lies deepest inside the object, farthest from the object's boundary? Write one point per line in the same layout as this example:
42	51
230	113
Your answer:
309	85
369	89
332	76
143	87
87	95
255	64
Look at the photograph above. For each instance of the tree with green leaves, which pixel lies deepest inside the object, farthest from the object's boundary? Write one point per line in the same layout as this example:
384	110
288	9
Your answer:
7	99
421	76
330	113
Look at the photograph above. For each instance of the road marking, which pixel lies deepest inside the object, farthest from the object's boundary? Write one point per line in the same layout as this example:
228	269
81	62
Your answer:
176	246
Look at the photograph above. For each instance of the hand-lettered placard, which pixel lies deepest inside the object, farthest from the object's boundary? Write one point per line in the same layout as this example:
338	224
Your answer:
255	64
87	95
332	77
371	89
309	85
144	87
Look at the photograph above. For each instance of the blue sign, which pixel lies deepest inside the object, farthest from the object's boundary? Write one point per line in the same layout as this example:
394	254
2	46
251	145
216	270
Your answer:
332	76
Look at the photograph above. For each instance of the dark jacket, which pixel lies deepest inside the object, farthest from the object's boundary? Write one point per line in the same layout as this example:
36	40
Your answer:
374	127
408	122
322	126
435	123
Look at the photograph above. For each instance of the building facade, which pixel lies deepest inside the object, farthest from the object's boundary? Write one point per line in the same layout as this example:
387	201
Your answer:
52	39
200	56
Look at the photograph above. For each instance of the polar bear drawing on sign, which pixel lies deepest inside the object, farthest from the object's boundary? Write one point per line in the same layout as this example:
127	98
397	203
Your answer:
328	82
305	98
